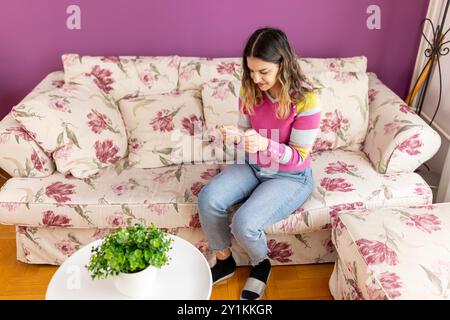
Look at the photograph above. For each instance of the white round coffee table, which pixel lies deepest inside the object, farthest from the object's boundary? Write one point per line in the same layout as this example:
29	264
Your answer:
187	277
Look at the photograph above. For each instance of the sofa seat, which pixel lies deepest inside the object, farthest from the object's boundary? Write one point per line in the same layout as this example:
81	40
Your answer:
167	196
393	253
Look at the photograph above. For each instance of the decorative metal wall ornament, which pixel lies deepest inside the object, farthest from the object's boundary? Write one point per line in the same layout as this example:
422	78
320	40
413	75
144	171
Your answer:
433	54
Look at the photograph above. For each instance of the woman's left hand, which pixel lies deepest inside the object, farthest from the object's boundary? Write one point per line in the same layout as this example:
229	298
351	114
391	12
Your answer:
254	142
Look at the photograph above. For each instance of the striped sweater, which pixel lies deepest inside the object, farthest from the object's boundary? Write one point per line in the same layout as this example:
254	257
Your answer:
290	140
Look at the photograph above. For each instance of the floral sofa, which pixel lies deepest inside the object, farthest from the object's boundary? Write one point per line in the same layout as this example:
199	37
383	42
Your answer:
113	141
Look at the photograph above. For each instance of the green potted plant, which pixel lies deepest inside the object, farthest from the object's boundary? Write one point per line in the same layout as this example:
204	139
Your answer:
131	255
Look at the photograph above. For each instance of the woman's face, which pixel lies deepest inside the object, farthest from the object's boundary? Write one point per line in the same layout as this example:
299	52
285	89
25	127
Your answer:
263	73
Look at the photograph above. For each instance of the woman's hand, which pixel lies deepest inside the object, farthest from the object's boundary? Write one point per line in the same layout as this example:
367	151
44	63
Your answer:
254	142
230	134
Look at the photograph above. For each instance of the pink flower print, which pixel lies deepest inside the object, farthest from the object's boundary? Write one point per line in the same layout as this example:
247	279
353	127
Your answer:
221	92
163	121
195	221
333	65
421	189
174	63
334	122
196	188
328	245
227	68
37	162
60	191
192	125
21	133
155	208
120	188
106	152
411	145
59	105
100	233
339	167
293	224
147	78
406	109
116	220
58	83
425	222
391	128
135	145
338	208
188	72
336	184
209	174
113	59
11	207
64	152
375	252
163	178
50	219
343	77
98	121
320	145
66	248
390	282
372	95
102	78
279	251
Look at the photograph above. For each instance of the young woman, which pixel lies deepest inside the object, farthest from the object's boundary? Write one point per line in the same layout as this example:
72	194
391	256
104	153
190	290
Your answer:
281	111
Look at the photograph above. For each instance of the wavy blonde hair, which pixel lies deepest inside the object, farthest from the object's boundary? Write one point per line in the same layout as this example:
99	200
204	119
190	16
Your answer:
272	45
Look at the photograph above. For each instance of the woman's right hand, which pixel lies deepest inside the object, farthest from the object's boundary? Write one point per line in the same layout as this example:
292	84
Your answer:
229	135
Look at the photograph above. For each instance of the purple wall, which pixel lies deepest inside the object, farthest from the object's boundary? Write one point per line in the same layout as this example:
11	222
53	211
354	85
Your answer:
33	34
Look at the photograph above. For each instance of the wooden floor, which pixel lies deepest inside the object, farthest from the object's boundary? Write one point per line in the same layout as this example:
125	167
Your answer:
27	281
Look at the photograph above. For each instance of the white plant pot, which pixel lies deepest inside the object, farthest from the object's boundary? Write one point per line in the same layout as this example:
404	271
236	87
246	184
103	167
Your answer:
136	285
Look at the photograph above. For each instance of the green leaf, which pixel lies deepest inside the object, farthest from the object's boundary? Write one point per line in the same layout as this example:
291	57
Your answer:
72	137
59	140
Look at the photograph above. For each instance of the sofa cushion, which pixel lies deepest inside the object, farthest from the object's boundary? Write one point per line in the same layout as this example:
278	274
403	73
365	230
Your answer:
350	64
344	109
168	195
166	129
196	71
21	156
123	76
81	128
394	253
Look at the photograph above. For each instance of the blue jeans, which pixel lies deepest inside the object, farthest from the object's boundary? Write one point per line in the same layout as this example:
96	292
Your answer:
270	196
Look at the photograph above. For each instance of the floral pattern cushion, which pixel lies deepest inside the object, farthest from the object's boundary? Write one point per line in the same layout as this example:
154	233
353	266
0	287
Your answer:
398	140
121	194
196	71
123	76
21	156
166	129
350	64
80	127
344	109
393	253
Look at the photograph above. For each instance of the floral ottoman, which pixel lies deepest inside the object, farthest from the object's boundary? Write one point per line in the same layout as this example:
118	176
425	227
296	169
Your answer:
392	253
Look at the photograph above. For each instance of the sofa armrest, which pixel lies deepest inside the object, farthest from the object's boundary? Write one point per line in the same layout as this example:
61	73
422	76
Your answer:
20	156
397	140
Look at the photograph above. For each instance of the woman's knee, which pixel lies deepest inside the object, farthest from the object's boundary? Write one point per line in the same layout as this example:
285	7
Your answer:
243	229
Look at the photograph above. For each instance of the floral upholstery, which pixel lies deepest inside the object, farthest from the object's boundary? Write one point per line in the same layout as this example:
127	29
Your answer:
344	109
86	132
21	156
166	129
393	253
397	139
167	196
57	214
123	76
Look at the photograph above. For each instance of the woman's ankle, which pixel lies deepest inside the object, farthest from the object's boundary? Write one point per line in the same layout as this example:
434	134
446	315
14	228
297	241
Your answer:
223	254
